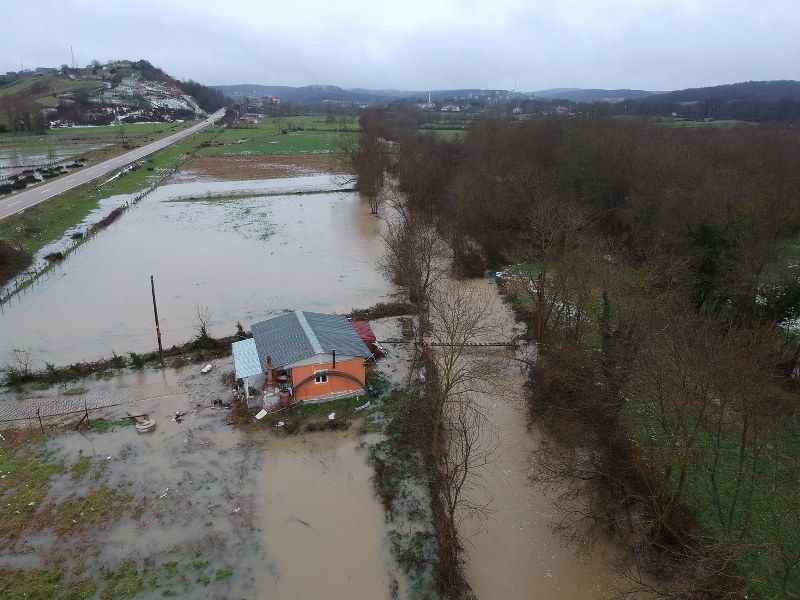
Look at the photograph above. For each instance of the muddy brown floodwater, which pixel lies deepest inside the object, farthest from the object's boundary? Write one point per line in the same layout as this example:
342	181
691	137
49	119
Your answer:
514	552
294	517
246	259
291	516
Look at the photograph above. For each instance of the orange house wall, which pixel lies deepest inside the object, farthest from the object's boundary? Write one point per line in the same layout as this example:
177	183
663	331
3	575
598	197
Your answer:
354	367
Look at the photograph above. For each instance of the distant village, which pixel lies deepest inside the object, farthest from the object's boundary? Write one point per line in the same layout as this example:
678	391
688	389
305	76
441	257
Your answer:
117	92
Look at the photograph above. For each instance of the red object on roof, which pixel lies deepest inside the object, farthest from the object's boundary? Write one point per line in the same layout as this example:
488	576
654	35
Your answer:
364	331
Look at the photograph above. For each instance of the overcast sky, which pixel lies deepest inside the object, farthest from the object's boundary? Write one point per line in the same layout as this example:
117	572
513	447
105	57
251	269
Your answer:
419	44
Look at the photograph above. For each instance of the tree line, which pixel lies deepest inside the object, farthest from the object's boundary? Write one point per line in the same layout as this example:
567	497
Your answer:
656	269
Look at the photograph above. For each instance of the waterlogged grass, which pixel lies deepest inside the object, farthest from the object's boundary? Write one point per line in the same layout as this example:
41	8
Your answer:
267	142
128	579
246	215
104	425
25	476
343	407
398	483
27	473
98	507
300	135
43	584
81	467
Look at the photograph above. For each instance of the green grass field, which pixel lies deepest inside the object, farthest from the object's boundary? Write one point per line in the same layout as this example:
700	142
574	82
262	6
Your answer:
290	135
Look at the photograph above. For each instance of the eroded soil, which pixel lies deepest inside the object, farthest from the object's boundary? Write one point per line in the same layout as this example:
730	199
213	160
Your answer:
235	168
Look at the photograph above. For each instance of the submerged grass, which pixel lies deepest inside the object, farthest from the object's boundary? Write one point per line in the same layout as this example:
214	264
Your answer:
25	476
43	584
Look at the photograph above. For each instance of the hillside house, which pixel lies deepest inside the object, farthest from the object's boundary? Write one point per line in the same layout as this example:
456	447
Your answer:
302	356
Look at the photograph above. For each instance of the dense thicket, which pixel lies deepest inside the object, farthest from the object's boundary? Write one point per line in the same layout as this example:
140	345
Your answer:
209	99
657	270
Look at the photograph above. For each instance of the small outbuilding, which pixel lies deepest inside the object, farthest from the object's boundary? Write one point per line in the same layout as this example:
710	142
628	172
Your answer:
302	356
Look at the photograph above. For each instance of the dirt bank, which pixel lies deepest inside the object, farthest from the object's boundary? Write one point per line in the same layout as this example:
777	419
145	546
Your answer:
236	168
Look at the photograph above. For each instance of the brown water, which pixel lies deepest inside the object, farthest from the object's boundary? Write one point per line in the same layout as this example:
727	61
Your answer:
323	526
292	516
245	259
296	515
513	552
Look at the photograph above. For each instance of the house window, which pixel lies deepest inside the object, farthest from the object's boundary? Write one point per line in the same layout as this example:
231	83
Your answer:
320	377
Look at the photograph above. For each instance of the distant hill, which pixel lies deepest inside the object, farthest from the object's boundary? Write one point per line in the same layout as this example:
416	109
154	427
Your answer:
770	91
592	95
751	100
306	94
320	93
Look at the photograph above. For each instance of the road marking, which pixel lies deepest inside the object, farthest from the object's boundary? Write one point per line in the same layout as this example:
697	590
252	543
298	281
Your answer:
17	202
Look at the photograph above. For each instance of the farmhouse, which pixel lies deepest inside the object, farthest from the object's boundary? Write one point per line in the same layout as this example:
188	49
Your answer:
302	356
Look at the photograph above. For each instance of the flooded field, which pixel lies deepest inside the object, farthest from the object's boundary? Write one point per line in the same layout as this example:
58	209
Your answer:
13	158
294	244
208	510
219	512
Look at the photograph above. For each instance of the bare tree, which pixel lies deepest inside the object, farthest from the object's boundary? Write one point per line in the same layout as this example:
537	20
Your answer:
201	322
461	441
415	260
553	228
366	158
19	366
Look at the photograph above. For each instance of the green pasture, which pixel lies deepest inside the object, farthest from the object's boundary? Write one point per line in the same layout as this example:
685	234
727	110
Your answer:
269	138
49	84
755	527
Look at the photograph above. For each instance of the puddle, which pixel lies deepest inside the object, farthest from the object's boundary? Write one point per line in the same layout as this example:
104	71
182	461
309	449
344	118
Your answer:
245	259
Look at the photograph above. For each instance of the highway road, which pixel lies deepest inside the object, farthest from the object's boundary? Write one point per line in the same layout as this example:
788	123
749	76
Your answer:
16	203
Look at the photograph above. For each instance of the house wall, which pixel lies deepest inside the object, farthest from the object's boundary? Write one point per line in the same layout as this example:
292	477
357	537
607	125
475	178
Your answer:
334	385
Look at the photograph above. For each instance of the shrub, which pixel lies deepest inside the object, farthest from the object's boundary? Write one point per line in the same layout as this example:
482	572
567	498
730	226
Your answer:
137	361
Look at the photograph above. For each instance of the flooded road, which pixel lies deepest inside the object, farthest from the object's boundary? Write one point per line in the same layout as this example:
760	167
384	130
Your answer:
246	259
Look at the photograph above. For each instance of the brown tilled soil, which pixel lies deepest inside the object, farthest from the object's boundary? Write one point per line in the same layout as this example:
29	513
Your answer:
231	168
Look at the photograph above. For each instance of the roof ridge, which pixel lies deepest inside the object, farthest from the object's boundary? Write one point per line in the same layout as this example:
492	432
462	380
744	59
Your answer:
312	337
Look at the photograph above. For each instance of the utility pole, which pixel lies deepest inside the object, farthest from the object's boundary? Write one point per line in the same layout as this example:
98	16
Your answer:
158	329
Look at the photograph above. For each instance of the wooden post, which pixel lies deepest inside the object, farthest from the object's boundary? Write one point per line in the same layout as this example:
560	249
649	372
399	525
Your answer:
158	329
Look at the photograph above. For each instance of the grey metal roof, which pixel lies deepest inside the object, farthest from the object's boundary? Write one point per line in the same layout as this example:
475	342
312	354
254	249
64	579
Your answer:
299	335
245	359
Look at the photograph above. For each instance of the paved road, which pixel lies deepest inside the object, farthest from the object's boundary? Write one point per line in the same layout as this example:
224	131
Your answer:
18	202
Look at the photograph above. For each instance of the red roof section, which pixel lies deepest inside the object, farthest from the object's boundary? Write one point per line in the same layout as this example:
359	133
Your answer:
364	331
